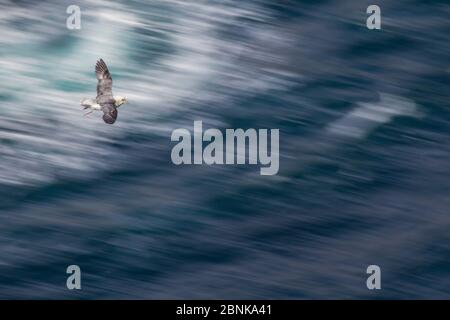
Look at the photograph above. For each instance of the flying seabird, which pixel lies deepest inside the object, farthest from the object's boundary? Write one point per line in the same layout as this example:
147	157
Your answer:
105	101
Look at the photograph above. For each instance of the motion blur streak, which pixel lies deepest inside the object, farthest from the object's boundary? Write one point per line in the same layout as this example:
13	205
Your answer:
364	155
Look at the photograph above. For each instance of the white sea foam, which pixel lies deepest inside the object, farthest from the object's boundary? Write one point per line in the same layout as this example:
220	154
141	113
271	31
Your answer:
367	116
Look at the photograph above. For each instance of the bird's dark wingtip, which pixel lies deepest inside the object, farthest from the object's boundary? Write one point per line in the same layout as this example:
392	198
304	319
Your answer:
100	66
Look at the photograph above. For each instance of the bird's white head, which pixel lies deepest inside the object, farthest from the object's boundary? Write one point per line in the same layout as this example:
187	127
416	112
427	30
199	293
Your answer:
118	100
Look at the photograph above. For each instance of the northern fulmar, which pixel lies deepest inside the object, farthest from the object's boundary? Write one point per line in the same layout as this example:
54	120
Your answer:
105	101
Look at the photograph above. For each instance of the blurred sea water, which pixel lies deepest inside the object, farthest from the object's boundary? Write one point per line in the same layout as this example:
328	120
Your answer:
364	156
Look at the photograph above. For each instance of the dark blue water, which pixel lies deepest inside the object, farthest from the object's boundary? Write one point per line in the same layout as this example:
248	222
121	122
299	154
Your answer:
364	121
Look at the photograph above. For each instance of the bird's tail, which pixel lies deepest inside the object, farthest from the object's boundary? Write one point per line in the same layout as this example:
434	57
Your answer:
86	103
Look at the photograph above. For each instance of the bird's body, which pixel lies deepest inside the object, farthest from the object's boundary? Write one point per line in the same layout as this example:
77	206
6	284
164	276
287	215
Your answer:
105	101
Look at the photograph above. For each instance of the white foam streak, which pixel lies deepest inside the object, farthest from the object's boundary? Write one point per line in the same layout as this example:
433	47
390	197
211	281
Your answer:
367	116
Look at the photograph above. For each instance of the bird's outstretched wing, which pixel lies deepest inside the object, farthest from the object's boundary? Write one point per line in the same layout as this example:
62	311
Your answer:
104	85
109	113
